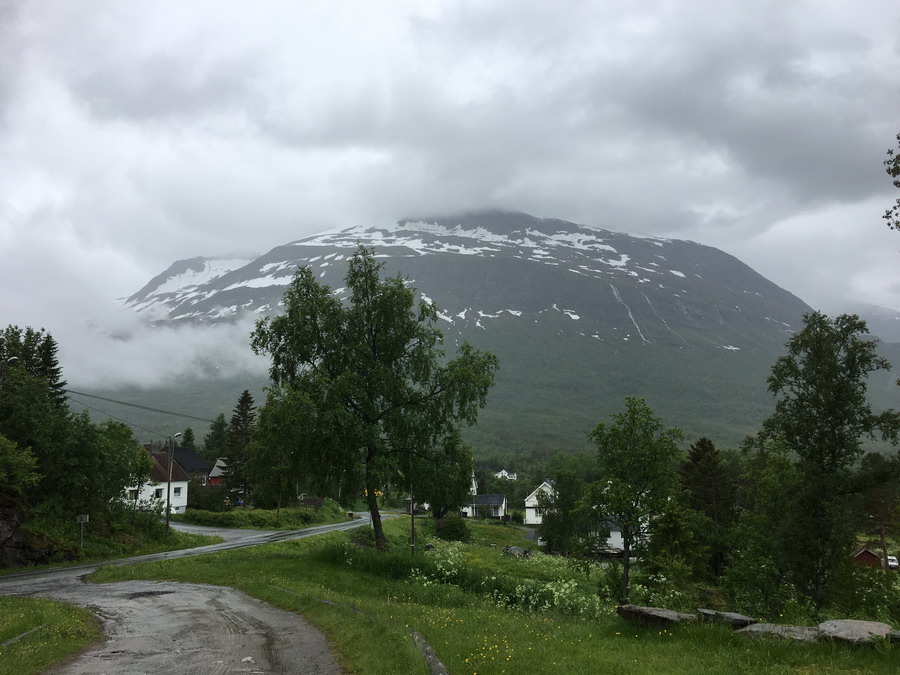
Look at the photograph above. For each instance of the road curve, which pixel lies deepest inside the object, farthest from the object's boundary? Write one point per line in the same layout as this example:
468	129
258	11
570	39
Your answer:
154	627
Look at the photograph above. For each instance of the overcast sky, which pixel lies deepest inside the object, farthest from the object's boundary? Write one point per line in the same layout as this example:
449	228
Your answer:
134	134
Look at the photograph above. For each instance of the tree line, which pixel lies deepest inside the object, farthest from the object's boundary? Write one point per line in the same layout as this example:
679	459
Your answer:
54	463
775	524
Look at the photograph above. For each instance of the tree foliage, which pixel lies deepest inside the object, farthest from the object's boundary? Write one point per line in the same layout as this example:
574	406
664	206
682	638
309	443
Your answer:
374	372
709	489
187	439
822	416
821	411
47	454
443	478
892	168
35	351
637	455
563	522
215	443
17	471
237	444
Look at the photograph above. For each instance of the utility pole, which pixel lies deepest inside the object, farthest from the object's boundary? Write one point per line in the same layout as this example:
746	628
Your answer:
412	521
171	444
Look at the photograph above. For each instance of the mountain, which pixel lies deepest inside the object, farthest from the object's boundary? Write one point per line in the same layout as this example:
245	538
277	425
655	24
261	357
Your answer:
579	316
882	321
181	276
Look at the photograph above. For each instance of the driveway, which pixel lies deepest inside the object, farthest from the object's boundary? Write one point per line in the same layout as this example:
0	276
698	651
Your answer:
154	627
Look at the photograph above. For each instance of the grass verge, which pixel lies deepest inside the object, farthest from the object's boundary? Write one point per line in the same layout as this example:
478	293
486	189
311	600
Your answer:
374	601
36	633
174	541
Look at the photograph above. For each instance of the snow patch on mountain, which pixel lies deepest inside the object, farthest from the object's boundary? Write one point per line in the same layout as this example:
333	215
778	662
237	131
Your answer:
207	270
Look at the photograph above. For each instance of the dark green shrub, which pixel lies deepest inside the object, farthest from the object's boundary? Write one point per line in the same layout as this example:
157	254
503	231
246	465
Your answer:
207	497
452	528
866	593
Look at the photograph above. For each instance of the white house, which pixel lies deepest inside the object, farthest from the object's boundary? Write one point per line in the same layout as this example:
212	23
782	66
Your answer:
496	504
153	490
503	473
533	515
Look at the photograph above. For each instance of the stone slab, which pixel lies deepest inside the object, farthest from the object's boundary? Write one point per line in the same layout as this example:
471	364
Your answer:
732	619
796	633
652	617
853	632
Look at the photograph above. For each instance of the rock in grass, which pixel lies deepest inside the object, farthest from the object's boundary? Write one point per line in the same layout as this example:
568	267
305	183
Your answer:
853	632
797	633
728	618
652	617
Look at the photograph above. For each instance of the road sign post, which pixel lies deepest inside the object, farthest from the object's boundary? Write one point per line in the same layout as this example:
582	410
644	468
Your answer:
82	520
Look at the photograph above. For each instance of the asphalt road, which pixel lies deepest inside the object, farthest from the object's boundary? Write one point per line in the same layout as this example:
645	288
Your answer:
167	627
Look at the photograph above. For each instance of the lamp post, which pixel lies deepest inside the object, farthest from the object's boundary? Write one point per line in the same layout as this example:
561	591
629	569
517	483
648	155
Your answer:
171	444
3	365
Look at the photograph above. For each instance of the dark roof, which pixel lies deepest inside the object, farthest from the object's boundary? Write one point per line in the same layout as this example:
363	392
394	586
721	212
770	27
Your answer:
159	473
490	500
191	461
866	553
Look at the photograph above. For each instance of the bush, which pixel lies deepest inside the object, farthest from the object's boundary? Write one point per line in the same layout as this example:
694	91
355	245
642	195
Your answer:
207	497
867	593
260	518
452	528
517	517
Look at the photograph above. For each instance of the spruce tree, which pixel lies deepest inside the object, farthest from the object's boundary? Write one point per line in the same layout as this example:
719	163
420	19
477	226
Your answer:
237	443
187	439
215	443
708	481
710	489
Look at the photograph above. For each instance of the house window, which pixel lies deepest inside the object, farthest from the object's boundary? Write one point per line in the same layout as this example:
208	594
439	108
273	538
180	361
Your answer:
157	493
133	495
177	491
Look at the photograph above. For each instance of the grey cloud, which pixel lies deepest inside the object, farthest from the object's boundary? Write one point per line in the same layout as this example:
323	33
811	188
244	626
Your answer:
143	133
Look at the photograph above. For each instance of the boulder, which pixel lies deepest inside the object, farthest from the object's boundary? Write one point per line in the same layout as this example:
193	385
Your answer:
652	617
852	632
16	549
728	618
797	633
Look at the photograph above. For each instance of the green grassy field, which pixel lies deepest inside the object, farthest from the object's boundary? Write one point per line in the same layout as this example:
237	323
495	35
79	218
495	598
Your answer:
36	633
481	611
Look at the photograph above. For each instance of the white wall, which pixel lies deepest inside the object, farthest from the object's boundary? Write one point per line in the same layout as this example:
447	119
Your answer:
532	516
152	492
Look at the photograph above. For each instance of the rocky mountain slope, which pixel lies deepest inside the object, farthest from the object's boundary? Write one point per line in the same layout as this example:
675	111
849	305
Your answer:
580	317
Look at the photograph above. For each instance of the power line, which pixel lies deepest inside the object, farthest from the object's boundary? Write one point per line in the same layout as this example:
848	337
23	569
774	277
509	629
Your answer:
119	419
135	405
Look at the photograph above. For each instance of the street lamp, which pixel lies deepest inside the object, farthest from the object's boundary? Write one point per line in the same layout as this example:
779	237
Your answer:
171	444
3	366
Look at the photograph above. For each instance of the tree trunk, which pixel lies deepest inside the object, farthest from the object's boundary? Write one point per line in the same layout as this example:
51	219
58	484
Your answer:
372	501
